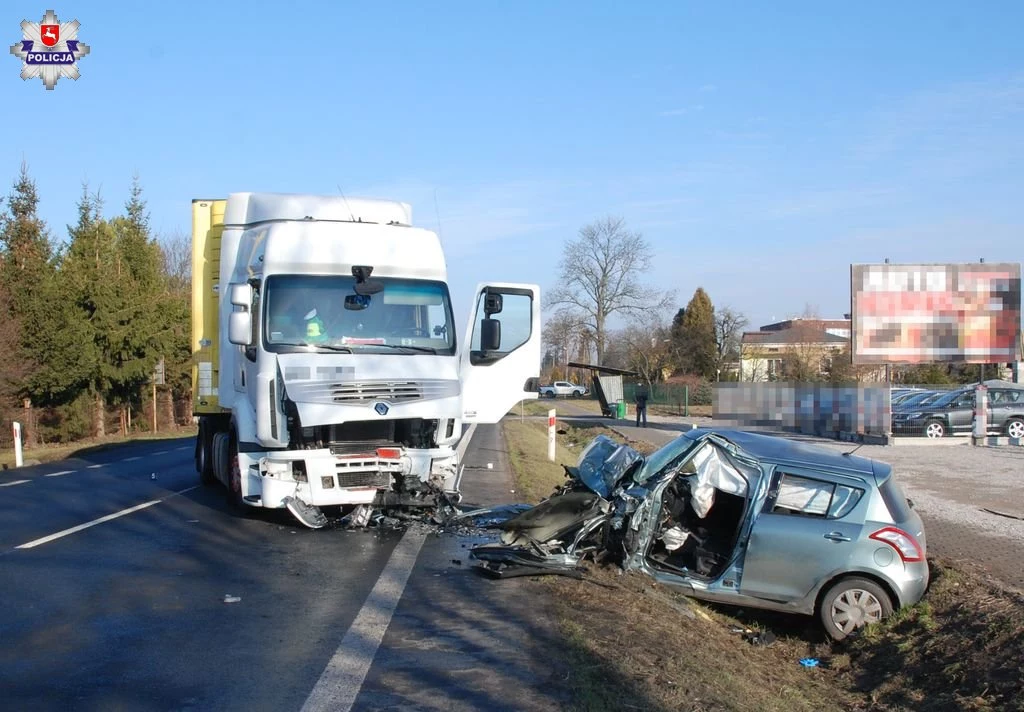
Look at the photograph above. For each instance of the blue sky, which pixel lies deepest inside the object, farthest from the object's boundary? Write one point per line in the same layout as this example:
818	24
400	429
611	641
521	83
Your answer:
759	149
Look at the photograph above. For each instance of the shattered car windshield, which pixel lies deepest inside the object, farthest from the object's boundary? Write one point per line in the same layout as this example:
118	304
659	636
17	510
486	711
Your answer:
669	455
409	316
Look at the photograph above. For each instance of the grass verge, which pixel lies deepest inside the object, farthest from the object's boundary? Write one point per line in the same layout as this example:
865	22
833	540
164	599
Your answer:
635	644
961	648
49	453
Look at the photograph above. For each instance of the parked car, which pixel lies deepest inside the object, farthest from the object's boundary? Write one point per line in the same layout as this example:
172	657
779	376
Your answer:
953	413
735	517
562	388
918	398
902	396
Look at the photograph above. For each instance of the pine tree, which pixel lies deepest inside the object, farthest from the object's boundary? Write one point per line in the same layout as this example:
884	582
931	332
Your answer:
697	336
89	278
26	275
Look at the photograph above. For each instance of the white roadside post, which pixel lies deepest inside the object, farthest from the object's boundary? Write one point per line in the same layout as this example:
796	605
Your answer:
980	414
551	435
17	445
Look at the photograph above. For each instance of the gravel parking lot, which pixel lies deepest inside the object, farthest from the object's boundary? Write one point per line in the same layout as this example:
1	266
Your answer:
952	486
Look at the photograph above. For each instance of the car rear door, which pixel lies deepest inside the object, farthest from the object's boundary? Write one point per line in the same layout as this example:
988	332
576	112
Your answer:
809	526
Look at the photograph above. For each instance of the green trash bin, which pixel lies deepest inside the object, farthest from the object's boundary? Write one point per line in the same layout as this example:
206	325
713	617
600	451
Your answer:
622	410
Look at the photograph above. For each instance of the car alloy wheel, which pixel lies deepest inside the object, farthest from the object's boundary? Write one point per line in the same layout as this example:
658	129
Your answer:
934	429
1015	428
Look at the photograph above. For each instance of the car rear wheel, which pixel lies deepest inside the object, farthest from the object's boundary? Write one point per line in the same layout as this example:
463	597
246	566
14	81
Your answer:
852	603
935	429
1015	428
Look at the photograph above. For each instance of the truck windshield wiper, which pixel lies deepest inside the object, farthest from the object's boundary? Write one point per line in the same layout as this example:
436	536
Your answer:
332	347
424	349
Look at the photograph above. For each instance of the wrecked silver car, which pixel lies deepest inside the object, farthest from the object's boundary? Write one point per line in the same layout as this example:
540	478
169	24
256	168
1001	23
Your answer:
734	517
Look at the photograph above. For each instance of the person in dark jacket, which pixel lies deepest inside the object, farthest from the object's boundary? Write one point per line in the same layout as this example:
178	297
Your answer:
640	397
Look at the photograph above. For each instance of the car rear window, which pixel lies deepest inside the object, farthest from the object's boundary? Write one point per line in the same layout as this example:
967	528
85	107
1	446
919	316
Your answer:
895	500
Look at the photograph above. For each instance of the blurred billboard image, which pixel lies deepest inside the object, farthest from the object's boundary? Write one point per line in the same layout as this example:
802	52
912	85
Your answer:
931	313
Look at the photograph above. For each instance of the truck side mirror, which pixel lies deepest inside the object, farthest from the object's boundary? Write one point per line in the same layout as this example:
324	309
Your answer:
490	334
241	295
240	328
493	303
240	322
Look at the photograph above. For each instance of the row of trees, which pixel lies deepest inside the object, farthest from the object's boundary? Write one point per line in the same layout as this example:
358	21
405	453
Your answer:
84	322
602	275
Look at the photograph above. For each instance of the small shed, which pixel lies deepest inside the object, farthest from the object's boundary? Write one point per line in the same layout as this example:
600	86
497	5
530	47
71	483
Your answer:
607	385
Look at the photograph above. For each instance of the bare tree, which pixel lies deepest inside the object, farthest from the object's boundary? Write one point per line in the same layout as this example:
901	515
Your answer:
647	347
753	363
565	335
601	275
176	249
729	325
808	355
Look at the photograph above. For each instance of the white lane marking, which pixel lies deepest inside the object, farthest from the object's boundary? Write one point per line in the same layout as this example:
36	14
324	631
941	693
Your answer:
132	459
52	537
339	685
342	679
179	449
93	467
161	452
16	482
59	474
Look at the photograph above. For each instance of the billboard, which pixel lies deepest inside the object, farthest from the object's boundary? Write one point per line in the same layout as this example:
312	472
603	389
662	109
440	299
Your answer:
938	312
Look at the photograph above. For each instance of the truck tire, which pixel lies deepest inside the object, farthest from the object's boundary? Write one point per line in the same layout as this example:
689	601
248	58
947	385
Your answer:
234	475
204	456
219	453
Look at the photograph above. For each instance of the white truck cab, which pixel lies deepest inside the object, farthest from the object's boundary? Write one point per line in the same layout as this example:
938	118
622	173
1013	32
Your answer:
330	368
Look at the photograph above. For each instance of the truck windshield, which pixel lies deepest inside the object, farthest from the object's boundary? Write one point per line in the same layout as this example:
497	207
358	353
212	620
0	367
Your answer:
409	316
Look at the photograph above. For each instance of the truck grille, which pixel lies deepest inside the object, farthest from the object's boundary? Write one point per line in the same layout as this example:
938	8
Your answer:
368	392
364	479
393	391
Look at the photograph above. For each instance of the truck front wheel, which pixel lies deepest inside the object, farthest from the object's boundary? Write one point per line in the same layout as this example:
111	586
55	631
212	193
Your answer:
204	455
234	474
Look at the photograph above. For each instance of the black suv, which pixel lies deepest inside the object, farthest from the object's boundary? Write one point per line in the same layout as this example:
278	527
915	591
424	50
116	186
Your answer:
954	413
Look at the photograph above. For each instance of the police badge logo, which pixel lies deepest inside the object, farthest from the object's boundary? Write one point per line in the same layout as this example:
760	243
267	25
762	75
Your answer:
49	49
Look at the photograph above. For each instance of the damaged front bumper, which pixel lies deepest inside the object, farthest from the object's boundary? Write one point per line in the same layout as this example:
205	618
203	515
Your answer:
304	481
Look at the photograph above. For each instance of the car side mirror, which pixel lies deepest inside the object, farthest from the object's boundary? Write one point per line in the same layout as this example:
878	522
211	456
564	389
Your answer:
490	334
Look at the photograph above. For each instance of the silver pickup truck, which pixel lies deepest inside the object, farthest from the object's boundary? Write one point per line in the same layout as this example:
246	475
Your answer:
562	388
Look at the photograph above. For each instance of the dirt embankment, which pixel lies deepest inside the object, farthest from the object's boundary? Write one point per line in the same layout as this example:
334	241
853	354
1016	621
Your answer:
635	644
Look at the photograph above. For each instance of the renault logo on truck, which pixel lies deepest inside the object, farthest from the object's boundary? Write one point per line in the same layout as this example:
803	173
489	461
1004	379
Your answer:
381	408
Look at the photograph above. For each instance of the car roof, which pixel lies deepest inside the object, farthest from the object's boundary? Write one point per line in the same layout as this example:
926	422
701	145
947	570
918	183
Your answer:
778	449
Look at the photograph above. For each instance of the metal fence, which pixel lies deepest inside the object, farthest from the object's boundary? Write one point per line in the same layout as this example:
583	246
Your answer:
671	394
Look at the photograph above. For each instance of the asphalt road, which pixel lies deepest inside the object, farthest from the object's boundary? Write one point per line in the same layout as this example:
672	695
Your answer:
128	613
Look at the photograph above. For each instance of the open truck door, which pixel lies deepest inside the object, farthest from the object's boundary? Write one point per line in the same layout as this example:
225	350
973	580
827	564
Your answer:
500	359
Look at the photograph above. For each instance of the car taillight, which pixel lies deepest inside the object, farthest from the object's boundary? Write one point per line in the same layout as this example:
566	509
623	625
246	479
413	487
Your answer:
905	544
